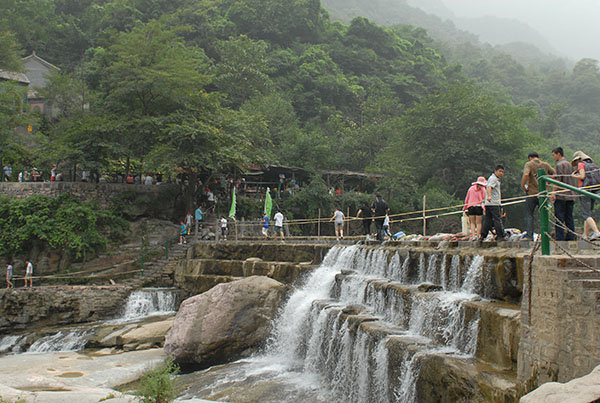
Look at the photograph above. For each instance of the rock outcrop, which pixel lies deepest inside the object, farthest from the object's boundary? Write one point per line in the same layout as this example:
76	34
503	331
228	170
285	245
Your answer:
224	323
579	390
59	305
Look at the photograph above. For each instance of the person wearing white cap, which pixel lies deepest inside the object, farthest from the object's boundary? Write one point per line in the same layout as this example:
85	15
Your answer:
588	175
474	205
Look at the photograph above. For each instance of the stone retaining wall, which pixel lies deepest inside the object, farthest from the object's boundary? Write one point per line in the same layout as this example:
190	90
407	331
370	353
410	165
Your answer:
560	310
140	200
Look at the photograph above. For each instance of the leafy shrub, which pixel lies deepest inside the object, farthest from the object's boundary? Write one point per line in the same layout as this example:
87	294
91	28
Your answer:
78	228
156	385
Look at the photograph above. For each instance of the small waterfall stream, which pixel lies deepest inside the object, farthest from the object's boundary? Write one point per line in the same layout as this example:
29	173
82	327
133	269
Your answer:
140	304
338	327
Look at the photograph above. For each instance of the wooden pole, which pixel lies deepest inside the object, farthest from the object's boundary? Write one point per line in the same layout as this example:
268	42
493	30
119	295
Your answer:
347	221
236	230
319	224
424	219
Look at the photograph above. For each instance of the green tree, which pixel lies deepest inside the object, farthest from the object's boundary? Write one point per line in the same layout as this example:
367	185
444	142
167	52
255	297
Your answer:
456	135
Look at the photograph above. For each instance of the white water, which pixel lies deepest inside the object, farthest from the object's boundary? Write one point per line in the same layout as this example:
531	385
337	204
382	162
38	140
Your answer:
62	341
313	338
140	304
149	302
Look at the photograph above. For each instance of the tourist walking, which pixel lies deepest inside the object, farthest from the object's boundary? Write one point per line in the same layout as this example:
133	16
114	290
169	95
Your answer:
7	172
386	226
380	209
9	275
279	224
474	202
565	200
338	222
188	222
224	227
265	226
367	217
53	173
28	274
587	174
182	232
198	216
493	204
529	183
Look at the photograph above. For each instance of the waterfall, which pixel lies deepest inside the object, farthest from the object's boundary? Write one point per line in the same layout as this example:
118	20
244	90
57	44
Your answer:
10	344
62	341
314	330
148	302
361	326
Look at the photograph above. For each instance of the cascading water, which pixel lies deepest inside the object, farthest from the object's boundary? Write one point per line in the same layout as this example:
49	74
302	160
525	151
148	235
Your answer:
337	328
148	302
62	341
140	304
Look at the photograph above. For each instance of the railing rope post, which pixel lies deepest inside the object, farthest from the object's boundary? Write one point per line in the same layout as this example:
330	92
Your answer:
543	200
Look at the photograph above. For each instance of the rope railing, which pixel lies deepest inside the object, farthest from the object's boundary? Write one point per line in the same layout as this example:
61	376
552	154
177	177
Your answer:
504	202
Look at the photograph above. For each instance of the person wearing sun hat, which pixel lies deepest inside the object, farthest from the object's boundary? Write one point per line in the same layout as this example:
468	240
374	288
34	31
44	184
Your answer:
474	205
587	174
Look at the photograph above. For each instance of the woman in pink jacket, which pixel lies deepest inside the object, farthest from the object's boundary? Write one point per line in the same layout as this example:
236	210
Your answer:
474	205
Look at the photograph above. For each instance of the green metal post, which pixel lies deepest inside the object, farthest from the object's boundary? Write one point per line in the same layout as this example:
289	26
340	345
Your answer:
543	200
167	249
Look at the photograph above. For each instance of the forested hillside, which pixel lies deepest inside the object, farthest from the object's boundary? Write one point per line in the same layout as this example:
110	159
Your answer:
219	84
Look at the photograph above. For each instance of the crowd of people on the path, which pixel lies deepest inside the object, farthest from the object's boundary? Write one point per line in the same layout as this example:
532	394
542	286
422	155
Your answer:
483	202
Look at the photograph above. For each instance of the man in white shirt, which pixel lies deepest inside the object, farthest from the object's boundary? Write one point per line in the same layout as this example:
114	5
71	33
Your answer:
278	224
28	274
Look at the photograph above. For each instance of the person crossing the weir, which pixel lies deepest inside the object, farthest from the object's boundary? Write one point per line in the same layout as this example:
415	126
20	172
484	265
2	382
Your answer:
278	224
529	183
563	201
265	227
493	205
474	205
366	213
380	209
588	175
9	274
28	274
338	218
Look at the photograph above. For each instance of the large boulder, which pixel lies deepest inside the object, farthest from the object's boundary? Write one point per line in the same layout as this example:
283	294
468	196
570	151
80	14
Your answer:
224	323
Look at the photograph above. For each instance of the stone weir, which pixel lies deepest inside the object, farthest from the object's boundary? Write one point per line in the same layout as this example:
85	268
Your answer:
401	321
209	264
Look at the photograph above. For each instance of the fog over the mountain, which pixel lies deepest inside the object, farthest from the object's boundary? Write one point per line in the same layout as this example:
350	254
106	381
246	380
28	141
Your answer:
572	27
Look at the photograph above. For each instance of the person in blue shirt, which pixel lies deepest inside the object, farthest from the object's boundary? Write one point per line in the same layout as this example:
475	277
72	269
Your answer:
265	227
182	232
198	216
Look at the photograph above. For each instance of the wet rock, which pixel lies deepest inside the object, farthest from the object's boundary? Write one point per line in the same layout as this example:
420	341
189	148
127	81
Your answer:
224	322
428	287
150	334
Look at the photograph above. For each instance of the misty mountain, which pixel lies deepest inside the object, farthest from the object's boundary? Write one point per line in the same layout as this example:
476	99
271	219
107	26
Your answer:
518	39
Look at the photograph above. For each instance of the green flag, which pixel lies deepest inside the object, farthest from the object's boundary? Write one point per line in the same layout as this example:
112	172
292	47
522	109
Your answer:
232	209
268	203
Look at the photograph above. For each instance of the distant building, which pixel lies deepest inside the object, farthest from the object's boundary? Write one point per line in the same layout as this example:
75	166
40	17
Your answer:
20	78
37	71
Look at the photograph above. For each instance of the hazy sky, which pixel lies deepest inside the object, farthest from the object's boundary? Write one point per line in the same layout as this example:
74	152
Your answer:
571	26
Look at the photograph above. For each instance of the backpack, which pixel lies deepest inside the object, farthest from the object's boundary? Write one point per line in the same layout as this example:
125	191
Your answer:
592	174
